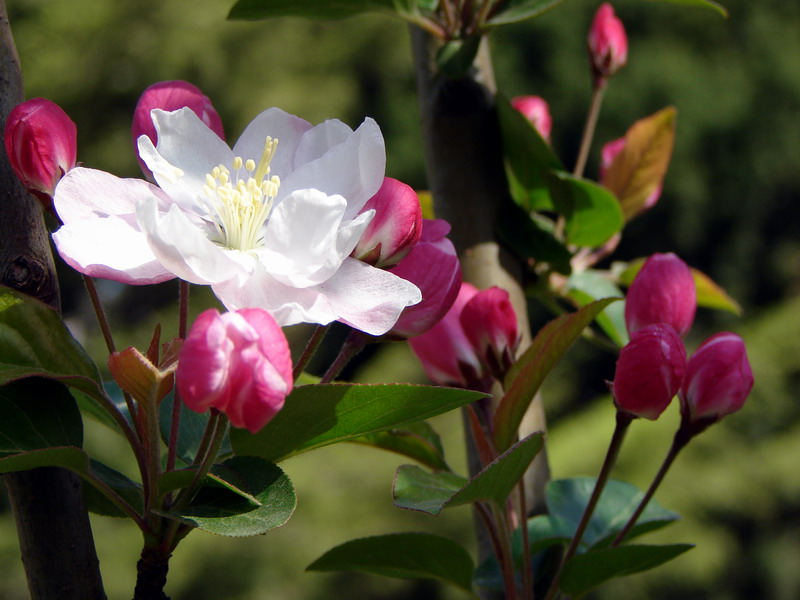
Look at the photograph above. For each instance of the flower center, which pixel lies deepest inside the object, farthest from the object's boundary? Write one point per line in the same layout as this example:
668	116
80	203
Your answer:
241	205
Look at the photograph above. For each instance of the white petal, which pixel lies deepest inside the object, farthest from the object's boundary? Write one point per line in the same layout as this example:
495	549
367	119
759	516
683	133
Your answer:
288	305
321	138
187	150
274	123
111	249
301	238
185	250
353	169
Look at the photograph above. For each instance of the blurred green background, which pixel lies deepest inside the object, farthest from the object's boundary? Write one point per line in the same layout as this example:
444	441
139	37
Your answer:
730	207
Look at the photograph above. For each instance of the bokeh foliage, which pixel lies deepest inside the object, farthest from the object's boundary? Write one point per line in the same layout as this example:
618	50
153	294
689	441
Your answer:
730	207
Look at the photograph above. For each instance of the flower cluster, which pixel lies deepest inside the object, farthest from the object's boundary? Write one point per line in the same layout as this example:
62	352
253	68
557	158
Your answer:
652	367
295	223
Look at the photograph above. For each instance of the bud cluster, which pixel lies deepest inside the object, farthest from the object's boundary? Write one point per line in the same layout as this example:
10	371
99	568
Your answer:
474	343
652	367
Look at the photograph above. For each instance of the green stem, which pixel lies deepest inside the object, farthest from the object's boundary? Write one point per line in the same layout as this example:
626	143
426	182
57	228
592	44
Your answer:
102	487
354	344
527	576
311	347
506	556
591	123
623	421
183	318
679	441
494	538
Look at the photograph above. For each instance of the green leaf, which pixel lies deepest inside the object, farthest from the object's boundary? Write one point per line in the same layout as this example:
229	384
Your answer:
121	484
528	373
431	493
592	212
190	430
590	285
519	10
67	457
586	571
529	158
639	169
567	498
269	500
709	293
701	3
531	239
319	415
403	555
455	57
38	413
415	440
417	489
34	342
254	10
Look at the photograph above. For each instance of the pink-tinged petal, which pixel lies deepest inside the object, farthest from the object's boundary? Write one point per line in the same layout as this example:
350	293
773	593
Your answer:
238	363
718	379
183	248
277	124
396	227
169	96
446	354
100	236
109	248
186	152
650	370
433	266
662	292
41	144
607	42
537	111
490	323
353	169
364	297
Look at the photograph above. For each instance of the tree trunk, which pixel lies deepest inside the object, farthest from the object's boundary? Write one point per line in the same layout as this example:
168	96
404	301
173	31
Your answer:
55	536
464	162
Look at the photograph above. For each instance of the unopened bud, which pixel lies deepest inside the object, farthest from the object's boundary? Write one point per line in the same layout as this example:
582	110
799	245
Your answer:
608	43
537	111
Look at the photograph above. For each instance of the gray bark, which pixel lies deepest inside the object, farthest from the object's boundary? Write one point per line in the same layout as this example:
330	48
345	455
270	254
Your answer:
52	523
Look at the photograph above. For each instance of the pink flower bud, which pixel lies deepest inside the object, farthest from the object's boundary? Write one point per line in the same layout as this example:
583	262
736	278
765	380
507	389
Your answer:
446	353
169	96
432	265
607	156
41	143
650	369
490	324
662	292
718	379
396	227
608	43
536	110
238	363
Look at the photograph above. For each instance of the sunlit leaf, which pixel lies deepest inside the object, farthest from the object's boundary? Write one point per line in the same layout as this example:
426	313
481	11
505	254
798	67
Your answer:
592	212
403	555
319	415
639	169
590	285
528	373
